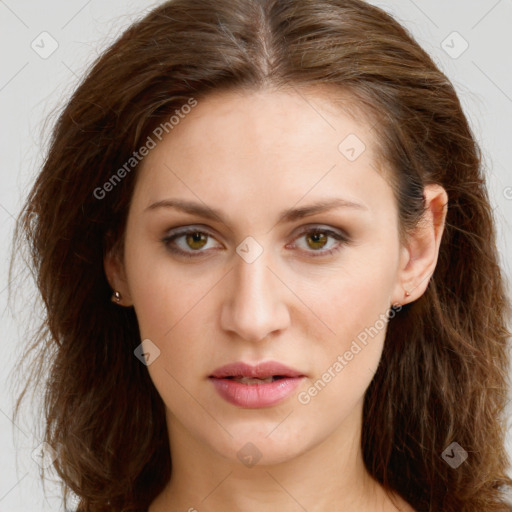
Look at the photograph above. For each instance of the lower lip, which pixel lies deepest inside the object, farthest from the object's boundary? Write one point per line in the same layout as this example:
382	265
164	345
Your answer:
255	396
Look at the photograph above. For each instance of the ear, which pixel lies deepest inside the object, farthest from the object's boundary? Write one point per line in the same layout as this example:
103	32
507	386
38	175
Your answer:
419	256
116	275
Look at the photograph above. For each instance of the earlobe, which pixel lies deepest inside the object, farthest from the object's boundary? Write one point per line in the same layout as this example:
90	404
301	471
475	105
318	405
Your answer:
419	257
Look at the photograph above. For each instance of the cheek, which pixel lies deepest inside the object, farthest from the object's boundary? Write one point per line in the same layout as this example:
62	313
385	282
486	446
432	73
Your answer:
354	304
354	296
170	306
348	358
162	293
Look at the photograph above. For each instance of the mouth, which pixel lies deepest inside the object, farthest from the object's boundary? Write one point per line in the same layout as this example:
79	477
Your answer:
251	387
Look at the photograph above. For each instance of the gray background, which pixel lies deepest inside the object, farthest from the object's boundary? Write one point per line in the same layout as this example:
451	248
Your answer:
35	85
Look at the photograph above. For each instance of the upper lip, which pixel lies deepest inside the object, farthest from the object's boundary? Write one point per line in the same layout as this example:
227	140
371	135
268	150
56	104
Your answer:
260	371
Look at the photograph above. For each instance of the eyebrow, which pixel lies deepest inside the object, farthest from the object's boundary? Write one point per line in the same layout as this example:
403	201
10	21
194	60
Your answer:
289	215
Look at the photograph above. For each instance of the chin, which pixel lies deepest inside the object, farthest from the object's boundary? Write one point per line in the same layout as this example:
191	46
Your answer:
257	447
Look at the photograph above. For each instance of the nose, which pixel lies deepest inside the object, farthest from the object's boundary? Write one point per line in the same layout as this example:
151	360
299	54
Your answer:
255	305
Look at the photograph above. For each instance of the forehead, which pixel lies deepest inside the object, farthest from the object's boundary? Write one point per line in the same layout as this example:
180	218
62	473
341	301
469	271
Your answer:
274	120
246	147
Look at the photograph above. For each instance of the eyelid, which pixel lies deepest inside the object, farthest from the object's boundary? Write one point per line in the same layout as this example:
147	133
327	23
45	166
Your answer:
308	228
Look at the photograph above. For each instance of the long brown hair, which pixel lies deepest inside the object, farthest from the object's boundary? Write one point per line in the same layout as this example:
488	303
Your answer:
443	374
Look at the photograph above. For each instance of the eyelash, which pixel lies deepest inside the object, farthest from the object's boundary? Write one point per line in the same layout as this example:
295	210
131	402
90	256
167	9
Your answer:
341	238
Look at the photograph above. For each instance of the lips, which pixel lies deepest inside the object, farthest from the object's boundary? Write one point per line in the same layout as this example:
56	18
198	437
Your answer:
252	387
264	370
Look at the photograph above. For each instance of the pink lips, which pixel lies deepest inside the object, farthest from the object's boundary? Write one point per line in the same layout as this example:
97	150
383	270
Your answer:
255	395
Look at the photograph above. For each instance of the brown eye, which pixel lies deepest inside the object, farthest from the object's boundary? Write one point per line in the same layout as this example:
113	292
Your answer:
191	243
196	240
318	238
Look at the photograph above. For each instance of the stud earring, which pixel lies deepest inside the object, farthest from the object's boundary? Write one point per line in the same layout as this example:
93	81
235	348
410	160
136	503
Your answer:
407	294
116	297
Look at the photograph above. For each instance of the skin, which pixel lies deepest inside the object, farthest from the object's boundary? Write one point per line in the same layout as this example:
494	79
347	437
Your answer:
252	155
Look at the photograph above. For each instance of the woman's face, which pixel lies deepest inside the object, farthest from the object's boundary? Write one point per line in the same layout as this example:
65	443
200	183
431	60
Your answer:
254	285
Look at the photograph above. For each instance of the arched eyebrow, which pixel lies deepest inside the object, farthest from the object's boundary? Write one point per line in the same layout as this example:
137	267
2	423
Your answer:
288	215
